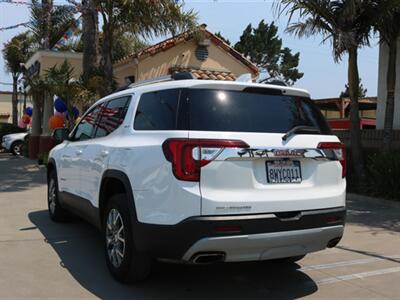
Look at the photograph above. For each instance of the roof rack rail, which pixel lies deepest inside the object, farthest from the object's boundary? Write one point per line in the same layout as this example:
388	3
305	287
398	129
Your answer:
174	76
150	81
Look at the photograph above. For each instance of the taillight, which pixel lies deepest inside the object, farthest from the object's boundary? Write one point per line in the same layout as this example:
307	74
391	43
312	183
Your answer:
339	150
189	155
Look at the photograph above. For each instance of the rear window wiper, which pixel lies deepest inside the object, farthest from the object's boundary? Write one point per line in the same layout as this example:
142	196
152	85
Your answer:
300	128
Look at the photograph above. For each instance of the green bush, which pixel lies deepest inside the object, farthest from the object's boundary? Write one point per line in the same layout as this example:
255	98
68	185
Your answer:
43	158
384	174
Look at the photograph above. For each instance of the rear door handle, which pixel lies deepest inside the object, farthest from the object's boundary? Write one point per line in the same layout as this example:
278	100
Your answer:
78	152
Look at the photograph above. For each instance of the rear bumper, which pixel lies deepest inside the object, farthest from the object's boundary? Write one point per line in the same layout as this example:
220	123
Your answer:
252	237
265	246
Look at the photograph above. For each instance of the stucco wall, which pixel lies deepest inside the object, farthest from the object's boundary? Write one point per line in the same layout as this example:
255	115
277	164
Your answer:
383	65
47	62
48	59
6	105
183	55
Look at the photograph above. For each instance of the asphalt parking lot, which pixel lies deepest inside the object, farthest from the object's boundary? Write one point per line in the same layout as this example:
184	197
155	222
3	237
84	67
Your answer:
41	259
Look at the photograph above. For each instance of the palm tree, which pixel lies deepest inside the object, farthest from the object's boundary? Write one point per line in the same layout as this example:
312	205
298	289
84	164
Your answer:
90	37
48	21
37	90
387	24
59	81
346	24
141	19
15	53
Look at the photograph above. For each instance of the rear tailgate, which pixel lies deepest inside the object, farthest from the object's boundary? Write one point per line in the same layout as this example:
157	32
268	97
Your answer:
231	184
235	181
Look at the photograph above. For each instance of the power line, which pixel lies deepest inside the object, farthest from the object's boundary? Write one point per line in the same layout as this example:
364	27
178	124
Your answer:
27	3
25	24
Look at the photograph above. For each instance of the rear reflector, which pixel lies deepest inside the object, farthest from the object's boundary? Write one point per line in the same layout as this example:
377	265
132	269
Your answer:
186	155
339	149
227	229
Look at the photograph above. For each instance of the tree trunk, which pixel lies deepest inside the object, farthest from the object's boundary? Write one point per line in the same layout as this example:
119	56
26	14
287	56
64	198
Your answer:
15	101
24	106
36	116
106	59
357	156
390	87
90	37
47	5
48	111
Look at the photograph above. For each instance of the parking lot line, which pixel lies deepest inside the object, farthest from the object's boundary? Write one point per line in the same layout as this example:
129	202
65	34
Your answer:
347	263
335	279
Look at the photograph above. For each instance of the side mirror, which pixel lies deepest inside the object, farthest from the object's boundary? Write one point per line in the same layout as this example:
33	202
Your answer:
60	135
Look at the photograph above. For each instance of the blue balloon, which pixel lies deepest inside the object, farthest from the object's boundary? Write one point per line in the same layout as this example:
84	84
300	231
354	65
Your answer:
60	105
75	112
29	111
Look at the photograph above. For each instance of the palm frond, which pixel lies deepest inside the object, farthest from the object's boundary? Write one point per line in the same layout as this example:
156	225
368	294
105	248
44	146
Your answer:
343	22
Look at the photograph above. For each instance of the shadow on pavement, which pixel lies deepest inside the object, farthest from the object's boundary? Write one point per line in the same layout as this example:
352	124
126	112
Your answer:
79	247
376	217
19	174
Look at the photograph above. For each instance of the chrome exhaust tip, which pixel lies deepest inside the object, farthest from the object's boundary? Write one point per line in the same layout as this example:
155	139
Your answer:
208	258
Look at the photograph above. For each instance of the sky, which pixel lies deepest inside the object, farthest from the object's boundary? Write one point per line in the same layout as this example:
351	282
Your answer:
323	78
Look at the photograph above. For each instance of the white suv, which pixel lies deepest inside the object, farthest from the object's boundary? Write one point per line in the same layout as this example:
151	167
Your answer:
202	171
14	142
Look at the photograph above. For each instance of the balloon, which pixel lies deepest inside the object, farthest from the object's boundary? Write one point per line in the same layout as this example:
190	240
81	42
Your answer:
26	119
56	122
59	114
75	112
60	105
29	111
21	124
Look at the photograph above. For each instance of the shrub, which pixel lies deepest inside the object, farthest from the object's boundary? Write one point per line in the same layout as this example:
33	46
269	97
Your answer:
384	174
43	158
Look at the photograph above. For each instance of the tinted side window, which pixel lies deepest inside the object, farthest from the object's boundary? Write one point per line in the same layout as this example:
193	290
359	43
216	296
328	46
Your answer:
157	110
85	128
112	115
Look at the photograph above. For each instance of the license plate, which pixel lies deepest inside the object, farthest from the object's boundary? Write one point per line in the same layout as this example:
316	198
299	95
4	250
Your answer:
283	171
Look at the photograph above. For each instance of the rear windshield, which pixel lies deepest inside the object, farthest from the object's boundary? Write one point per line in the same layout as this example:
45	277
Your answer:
251	111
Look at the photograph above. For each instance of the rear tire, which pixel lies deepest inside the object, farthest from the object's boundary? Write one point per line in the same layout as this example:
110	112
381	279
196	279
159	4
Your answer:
16	148
124	262
56	212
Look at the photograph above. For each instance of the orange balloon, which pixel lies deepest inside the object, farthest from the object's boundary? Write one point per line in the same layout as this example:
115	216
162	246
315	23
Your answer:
26	119
56	122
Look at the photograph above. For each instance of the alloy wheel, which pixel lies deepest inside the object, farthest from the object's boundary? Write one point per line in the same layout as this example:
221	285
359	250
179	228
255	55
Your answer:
17	149
52	196
115	237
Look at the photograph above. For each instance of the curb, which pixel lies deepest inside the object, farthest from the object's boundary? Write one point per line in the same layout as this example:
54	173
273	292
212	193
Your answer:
373	200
